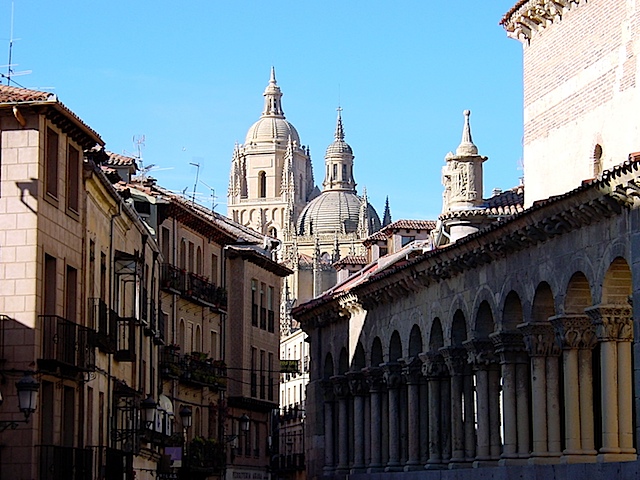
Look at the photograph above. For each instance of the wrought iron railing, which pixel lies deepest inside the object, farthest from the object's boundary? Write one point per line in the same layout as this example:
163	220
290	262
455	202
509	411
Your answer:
193	368
66	345
65	463
125	337
192	286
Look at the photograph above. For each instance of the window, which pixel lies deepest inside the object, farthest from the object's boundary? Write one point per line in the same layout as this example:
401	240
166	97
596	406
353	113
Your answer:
214	269
71	294
49	285
344	173
263	378
51	163
262	184
263	308
199	260
270	313
214	345
165	244
254	304
407	240
271	381
335	172
73	178
254	375
183	254
191	255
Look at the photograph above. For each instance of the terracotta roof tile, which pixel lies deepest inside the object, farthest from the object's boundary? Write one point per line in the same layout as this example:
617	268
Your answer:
118	160
10	94
387	231
513	197
352	260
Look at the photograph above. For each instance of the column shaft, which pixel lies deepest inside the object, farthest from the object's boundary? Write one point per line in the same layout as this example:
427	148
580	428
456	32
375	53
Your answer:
539	389
482	389
328	438
509	408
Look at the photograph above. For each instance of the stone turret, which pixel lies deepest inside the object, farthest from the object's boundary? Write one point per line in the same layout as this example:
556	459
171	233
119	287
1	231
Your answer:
462	211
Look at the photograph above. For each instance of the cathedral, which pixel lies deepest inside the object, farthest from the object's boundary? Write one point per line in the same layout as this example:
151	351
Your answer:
272	190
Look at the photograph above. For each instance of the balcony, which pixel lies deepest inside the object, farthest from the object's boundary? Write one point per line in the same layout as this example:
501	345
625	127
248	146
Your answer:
66	346
193	287
205	456
104	325
65	463
193	369
125	337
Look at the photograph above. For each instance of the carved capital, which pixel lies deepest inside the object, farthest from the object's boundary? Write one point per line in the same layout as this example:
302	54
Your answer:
574	331
612	322
510	346
340	386
480	353
327	390
539	339
433	365
392	374
375	379
357	383
456	360
411	370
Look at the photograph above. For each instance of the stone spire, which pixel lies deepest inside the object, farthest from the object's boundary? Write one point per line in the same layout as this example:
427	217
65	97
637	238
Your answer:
386	219
364	229
466	146
336	249
272	98
339	162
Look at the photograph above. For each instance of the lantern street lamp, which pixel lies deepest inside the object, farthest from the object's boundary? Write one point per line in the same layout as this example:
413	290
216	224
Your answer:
148	407
244	423
186	416
27	388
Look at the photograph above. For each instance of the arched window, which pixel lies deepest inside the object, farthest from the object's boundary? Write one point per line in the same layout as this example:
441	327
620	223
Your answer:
262	184
597	160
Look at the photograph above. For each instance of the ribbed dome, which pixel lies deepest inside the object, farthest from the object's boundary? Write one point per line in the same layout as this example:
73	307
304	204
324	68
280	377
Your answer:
269	128
339	147
331	211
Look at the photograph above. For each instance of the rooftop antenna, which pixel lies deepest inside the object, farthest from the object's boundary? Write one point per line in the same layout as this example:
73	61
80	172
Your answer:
213	196
10	71
195	184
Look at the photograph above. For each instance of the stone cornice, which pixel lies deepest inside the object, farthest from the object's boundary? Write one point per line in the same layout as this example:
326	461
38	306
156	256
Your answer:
529	16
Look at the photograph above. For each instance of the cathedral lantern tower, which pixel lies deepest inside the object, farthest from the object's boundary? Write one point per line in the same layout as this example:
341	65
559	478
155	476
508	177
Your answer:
271	177
462	210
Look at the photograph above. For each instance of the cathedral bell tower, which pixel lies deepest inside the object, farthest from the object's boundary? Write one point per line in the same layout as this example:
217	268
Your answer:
271	177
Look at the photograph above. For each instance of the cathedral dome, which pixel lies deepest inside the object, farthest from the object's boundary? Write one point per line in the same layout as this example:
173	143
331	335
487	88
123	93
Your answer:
271	129
334	211
338	148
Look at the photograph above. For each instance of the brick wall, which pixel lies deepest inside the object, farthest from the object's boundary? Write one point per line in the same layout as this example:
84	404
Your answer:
579	90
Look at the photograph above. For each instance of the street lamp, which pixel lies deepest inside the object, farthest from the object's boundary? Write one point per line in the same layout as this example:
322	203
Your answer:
27	388
148	407
244	423
186	416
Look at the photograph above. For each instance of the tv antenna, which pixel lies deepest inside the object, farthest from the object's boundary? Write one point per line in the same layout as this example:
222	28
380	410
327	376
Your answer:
10	71
195	184
213	196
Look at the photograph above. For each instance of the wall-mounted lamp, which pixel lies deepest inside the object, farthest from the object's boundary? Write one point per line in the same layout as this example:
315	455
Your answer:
27	388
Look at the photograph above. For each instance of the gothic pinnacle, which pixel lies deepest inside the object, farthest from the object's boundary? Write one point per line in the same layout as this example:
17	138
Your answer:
466	147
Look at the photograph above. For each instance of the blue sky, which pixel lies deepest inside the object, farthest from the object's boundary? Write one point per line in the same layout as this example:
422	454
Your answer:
189	76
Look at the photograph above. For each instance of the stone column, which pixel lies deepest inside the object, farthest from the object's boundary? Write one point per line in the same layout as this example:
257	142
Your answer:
576	334
341	391
540	341
424	420
433	368
495	439
358	390
375	380
393	378
456	361
329	459
614	330
411	371
515	396
481	356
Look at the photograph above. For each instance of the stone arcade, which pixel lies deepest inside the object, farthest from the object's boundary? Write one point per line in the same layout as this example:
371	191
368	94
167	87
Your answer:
507	350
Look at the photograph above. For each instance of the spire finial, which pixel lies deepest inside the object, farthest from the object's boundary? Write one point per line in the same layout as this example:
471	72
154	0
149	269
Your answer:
339	128
272	97
466	146
387	213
